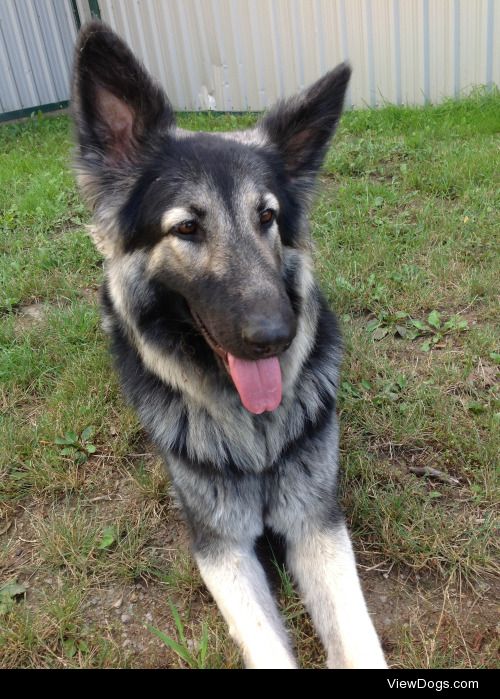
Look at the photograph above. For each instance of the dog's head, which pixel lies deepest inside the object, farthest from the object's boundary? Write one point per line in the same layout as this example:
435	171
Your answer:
209	217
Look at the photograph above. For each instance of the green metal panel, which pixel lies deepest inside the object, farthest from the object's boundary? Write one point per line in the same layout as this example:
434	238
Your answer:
21	113
76	14
94	9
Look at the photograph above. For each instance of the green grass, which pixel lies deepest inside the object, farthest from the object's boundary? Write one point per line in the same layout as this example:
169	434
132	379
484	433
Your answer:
406	225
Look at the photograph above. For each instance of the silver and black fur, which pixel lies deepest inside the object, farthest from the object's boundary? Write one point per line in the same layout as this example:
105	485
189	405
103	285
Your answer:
207	254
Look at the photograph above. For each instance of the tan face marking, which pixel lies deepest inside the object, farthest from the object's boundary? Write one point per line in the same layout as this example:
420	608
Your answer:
172	217
270	202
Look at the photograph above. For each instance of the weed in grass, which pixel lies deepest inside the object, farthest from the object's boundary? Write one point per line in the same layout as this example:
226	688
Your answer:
108	538
287	590
437	329
193	654
400	324
10	592
382	391
78	448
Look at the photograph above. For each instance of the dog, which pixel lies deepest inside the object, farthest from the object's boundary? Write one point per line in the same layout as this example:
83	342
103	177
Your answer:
223	341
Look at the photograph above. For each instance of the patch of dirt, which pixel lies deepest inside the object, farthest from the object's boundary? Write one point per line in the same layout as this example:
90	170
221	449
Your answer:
327	180
441	620
484	376
400	459
91	294
30	314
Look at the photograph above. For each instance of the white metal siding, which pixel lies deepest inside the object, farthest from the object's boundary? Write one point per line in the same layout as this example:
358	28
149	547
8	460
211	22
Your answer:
244	54
36	52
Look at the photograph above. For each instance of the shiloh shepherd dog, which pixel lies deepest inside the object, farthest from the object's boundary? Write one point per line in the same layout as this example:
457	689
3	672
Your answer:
224	343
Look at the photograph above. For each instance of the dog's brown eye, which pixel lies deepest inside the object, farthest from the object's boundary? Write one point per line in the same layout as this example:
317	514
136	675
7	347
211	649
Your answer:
187	228
266	217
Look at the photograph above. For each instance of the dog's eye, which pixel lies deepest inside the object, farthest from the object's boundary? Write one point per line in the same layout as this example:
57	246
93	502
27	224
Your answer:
186	228
266	217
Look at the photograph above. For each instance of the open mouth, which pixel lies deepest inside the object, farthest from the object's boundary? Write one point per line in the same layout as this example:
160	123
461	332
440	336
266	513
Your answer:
258	382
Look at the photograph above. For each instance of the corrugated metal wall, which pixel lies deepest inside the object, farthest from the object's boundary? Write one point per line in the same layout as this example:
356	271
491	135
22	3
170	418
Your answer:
244	54
36	52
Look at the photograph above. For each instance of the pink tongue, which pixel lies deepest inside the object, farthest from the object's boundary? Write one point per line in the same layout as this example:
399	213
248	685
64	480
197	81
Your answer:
258	383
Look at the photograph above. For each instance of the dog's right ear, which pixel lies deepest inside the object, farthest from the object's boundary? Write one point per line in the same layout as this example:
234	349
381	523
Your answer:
115	103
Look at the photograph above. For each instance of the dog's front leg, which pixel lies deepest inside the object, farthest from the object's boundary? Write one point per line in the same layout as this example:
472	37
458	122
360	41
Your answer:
322	561
238	584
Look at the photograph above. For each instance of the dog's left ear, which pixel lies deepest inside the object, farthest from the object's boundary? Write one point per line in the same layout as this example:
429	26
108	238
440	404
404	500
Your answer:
302	126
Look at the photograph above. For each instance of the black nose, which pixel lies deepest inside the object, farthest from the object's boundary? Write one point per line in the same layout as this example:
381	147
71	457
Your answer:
269	336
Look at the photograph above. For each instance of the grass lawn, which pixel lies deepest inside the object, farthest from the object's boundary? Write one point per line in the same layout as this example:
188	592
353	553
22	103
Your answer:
92	547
